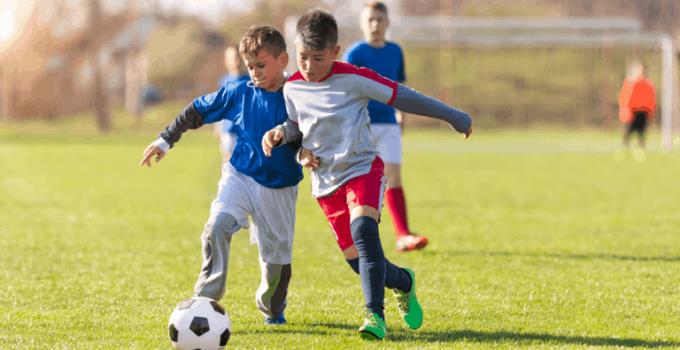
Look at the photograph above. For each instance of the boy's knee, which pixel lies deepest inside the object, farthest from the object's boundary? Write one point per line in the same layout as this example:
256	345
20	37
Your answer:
367	238
220	224
364	228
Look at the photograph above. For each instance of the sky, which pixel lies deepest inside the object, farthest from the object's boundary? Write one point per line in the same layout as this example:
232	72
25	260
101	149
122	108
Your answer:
207	6
8	9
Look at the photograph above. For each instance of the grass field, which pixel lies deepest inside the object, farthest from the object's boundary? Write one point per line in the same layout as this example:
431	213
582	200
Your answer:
539	239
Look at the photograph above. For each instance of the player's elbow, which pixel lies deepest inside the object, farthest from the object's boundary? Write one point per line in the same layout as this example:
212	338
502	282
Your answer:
464	123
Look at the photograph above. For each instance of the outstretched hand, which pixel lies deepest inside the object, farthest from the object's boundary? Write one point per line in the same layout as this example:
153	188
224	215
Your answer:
307	159
149	152
271	139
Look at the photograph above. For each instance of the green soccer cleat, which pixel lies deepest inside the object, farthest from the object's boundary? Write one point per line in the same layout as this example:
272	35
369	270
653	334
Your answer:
374	327
409	307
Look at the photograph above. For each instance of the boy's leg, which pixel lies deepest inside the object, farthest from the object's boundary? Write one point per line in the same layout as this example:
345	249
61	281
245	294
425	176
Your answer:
363	227
639	125
626	135
642	128
273	290
334	207
363	196
216	241
273	230
228	214
337	213
387	138
395	277
371	262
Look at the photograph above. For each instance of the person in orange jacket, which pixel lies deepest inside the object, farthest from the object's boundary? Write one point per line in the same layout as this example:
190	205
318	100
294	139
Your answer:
637	104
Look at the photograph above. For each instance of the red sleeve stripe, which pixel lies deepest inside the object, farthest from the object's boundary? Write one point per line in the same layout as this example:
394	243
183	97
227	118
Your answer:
346	68
394	94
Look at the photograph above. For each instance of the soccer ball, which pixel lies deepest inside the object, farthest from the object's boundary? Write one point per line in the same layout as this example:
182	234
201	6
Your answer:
199	323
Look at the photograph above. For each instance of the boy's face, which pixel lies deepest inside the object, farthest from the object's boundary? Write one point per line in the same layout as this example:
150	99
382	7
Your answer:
374	24
265	70
315	64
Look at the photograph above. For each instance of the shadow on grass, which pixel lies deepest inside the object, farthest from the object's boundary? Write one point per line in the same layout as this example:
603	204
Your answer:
562	256
285	330
302	328
343	326
500	337
467	335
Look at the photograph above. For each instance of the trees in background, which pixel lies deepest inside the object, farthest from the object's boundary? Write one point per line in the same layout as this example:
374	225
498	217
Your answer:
100	102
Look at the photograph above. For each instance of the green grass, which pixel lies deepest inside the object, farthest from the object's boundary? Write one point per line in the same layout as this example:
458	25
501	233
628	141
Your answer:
539	239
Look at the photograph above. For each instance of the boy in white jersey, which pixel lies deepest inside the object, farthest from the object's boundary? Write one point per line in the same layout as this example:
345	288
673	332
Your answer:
327	109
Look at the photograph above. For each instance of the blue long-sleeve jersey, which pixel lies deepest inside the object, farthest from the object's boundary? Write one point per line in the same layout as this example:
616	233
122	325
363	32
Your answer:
226	124
253	111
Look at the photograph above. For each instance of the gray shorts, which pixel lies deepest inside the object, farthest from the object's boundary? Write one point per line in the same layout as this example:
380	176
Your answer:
271	212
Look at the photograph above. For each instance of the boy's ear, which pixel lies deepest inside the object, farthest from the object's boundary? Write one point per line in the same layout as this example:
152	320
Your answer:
283	58
336	51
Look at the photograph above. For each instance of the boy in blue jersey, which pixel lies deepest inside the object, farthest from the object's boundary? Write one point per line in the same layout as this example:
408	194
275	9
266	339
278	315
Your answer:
264	188
387	59
327	103
235	72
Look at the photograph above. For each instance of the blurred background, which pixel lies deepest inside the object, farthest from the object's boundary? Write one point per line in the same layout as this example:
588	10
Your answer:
509	63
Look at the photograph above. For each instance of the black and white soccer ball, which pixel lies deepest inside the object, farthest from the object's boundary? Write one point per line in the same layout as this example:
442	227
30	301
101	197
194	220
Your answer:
199	323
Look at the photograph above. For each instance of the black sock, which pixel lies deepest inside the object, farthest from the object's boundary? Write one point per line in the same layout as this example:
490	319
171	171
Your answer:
395	277
371	262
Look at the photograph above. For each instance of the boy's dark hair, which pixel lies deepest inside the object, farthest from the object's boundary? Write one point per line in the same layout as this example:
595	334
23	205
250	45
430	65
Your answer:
262	38
377	6
317	30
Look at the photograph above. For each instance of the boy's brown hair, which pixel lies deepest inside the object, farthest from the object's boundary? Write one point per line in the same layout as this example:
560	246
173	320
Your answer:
317	30
262	38
377	6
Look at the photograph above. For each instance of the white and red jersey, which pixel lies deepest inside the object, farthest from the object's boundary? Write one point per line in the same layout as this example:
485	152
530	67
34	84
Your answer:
332	115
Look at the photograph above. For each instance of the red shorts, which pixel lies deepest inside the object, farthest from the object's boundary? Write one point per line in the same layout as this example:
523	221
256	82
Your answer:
364	190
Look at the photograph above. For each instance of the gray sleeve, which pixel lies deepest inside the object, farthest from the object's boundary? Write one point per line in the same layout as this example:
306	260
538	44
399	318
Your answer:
412	101
189	118
291	133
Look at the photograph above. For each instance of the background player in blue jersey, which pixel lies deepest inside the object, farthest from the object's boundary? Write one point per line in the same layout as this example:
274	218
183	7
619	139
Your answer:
387	59
264	188
236	71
